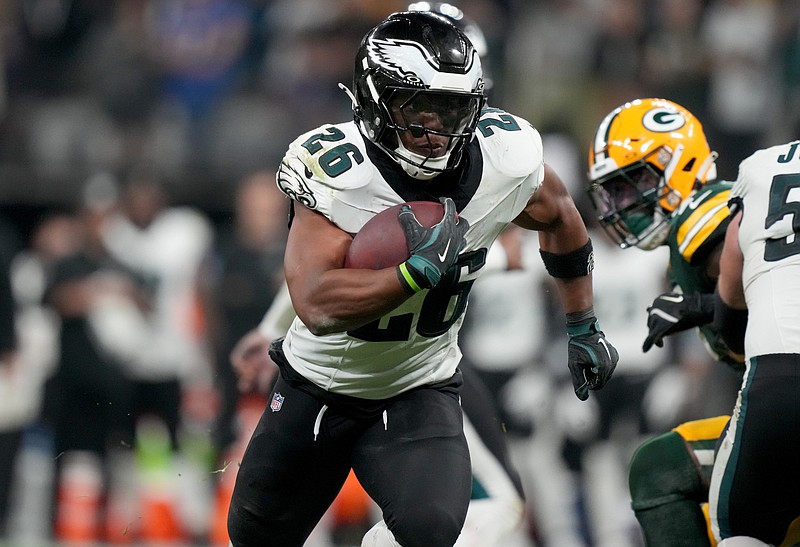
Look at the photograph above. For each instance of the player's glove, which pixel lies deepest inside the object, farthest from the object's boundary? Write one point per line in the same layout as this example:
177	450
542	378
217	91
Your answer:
433	250
676	312
592	359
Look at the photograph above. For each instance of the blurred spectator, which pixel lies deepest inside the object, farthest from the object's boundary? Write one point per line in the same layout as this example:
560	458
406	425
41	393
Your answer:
739	36
86	401
786	124
675	63
549	61
53	238
10	434
172	394
313	47
200	47
45	44
245	272
618	53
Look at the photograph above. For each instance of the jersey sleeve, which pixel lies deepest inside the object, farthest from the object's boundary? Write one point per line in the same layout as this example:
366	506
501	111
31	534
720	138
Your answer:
512	144
323	163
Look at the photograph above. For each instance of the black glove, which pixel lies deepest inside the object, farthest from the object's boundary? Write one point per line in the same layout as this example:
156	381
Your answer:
433	250
592	359
675	312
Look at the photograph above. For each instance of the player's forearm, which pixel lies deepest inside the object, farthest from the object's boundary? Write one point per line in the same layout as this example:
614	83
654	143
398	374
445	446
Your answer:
341	300
576	293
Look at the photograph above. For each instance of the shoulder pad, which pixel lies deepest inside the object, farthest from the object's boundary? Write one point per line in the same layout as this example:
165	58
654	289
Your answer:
332	156
702	220
510	143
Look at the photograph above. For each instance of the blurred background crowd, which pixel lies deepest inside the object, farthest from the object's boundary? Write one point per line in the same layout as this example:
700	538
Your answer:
141	236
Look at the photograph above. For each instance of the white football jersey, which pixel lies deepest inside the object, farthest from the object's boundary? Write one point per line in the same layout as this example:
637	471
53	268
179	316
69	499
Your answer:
335	172
769	236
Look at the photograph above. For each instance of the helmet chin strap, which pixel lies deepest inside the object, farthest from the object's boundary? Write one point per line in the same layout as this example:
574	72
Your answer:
416	171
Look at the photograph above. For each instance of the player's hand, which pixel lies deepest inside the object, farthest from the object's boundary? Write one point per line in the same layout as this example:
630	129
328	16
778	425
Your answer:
433	250
675	312
251	362
592	359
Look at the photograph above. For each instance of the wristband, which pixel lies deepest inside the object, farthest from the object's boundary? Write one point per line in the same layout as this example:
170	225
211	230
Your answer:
407	280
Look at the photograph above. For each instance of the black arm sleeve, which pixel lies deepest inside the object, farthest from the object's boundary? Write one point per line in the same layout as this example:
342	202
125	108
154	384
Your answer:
730	323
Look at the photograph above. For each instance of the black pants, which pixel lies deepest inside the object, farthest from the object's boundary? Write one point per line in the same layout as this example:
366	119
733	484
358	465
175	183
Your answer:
408	452
757	495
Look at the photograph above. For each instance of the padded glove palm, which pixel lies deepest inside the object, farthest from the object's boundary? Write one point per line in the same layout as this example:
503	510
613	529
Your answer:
591	358
676	312
433	250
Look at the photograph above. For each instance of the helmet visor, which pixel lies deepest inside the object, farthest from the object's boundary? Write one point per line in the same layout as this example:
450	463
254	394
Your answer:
435	112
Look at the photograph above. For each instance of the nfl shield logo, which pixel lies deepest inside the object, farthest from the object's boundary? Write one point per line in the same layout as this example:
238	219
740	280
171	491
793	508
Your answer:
277	402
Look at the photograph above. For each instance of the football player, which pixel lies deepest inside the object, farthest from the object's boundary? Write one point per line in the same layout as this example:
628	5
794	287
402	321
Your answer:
753	495
369	369
652	183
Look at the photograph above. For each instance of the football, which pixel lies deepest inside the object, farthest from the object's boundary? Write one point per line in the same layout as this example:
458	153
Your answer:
381	242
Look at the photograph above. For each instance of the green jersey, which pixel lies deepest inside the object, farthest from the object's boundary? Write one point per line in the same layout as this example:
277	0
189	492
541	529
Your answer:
697	228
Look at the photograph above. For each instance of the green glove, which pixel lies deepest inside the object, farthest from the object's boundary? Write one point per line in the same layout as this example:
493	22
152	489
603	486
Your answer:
433	250
591	358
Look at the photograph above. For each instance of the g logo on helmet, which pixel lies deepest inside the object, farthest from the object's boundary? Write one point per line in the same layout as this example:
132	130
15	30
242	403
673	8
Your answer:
663	120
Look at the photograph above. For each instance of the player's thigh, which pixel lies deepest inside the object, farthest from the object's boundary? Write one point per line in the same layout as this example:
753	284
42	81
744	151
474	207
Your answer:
289	474
753	489
416	467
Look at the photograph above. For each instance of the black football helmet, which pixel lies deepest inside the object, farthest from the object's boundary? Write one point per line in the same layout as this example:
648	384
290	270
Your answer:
412	63
465	24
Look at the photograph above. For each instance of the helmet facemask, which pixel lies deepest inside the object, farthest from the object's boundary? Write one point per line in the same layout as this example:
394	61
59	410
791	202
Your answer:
627	203
428	129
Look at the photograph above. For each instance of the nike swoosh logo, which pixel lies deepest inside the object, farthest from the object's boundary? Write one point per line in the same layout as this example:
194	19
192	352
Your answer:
676	299
444	254
664	315
602	341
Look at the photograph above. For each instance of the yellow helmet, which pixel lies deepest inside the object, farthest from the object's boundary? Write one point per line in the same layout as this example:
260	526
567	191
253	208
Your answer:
647	156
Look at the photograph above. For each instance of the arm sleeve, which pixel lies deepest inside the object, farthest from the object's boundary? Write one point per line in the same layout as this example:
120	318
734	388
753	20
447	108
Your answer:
279	316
